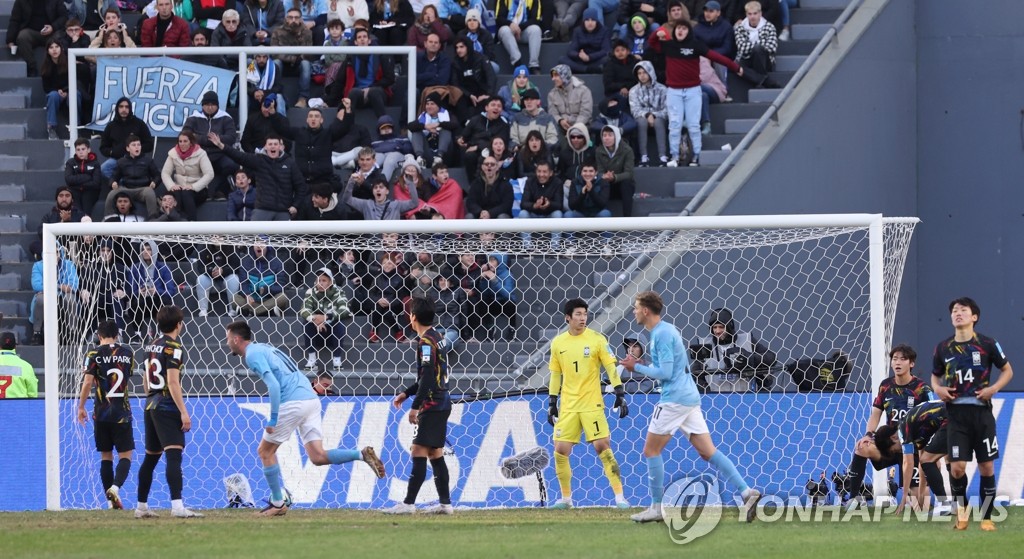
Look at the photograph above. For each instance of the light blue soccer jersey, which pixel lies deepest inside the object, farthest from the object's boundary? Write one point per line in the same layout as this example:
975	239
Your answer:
281	374
671	366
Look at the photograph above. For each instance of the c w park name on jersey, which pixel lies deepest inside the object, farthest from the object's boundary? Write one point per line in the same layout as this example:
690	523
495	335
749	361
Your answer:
111	366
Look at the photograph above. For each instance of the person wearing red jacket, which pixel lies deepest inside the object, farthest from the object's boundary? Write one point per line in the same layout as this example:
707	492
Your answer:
166	29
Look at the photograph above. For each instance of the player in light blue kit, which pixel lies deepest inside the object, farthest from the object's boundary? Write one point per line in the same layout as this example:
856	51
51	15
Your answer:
293	405
679	408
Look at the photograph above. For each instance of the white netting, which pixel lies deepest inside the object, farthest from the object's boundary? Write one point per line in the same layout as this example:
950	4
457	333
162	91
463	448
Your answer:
802	292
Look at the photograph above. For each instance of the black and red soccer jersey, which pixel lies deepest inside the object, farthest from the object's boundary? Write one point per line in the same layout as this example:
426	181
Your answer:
965	367
920	424
895	400
110	366
431	388
163	354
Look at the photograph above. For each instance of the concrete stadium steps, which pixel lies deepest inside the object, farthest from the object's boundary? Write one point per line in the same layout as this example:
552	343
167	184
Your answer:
14	109
823	4
12	193
796	47
32	88
15	101
762	95
817	14
13	163
39	154
12	68
39	185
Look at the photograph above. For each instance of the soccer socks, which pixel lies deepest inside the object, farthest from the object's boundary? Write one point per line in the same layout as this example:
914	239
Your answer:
656	478
958	490
725	466
174	478
564	474
934	477
146	476
419	473
440	468
273	475
988	495
855	475
611	471
124	466
341	455
107	473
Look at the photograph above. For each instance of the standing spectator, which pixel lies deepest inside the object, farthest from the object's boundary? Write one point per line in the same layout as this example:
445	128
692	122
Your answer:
325	310
230	33
480	130
242	200
67	296
168	210
211	12
212	119
431	133
150	287
648	101
215	268
615	165
166	29
135	174
262	124
23	382
474	78
382	206
390	20
479	37
262	289
716	32
756	44
114	139
348	11
294	33
512	92
490	196
567	14
312	148
531	152
542	197
260	18
574	153
521	21
533	118
588	49
498	295
368	77
425	25
55	84
387	297
82	175
281	186
617	74
186	173
33	23
124	210
570	101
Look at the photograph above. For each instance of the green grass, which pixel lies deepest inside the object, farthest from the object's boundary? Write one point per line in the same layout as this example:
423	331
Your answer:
529	533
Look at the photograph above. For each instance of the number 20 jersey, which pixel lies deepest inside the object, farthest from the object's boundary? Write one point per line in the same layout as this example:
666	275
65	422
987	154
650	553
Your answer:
163	354
965	366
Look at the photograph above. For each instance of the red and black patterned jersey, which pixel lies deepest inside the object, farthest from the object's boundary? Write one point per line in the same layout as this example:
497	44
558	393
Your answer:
896	400
431	387
163	354
965	367
920	423
110	366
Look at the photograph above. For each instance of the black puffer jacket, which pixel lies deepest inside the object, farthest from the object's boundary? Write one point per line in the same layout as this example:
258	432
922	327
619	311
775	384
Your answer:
136	172
313	149
280	183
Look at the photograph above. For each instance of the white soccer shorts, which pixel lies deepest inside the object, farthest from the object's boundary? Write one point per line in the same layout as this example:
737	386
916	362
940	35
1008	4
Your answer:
668	417
303	415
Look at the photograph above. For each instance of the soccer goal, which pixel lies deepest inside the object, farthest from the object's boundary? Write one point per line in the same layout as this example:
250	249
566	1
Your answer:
819	292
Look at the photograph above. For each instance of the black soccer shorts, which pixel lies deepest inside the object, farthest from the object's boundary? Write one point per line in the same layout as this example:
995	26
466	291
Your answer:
163	429
432	428
971	432
110	435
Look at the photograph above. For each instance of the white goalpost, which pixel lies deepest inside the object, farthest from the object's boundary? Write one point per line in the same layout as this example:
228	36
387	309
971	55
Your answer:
819	291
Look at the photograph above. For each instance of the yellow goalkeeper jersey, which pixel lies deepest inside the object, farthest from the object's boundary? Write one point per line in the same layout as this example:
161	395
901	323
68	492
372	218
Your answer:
576	370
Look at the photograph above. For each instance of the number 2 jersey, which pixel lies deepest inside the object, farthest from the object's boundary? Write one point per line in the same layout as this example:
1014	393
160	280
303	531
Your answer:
110	366
163	354
895	400
965	367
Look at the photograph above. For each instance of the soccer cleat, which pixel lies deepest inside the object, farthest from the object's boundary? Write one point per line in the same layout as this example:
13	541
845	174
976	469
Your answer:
621	502
988	526
440	509
145	513
113	495
750	504
400	508
370	457
562	504
271	510
963	517
186	513
651	514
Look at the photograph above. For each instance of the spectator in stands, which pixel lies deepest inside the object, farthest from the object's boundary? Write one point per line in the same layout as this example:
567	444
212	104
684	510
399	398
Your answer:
369	77
474	78
294	33
387	294
651	10
542	197
212	119
312	148
614	111
313	14
215	267
618	76
346	149
262	124
74	36
428	23
210	12
242	200
82	175
716	32
712	92
570	101
281	186
431	133
512	92
450	309
63	211
137	175
479	37
567	14
573	153
111	24
382	206
114	139
201	40
150	286
478	132
756	44
489	195
55	84
93	14
262	84
103	283
498	295
648	102
323	385
262	287
784	7
33	24
390	147
186	173
588	49
506	158
615	165
67	295
589	193
323	205
124	210
522	21
440	196
325	312
533	118
391	20
348	11
168	210
531	152
640	29
433	67
166	29
230	33
333	63
366	174
260	18
455	12
728	349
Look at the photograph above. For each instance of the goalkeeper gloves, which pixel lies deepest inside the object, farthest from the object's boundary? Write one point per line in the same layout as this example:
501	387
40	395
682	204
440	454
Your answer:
552	410
620	401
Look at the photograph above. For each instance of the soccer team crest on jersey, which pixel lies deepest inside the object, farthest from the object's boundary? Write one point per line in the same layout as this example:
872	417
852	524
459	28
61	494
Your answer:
976	356
586	351
955	451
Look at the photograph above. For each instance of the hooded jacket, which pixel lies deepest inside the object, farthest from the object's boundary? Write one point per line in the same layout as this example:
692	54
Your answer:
156	273
241	204
619	160
250	16
220	123
480	130
114	139
618	75
473	74
682	59
258	127
313	148
195	170
736	349
503	286
719	36
83	175
214	256
523	123
334	211
261	276
449	306
651	98
570	160
573	101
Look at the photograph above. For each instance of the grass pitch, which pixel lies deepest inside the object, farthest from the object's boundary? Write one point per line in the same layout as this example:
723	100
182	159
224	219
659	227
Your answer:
530	533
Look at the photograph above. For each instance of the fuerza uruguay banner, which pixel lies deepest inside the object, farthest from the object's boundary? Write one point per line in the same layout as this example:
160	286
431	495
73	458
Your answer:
164	91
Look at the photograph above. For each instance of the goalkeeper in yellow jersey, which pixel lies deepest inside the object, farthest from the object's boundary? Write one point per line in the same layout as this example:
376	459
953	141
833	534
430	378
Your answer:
576	360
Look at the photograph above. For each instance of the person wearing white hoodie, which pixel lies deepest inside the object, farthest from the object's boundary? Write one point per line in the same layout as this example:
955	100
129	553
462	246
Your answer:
648	101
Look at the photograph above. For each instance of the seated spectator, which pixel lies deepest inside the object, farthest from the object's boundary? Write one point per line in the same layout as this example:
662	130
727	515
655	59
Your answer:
440	196
150	286
382	206
75	38
124	210
103	284
512	92
201	40
498	296
433	68
618	74
567	15
387	295
390	20
506	157
242	200
474	79
63	211
323	385
367	173
651	10
570	101
312	147
589	193
230	33
281	186
728	349
67	296
614	111
648	102
346	149
111	23
716	32
450	310
333	63
756	44
478	132
533	118
260	18
542	197
262	288
216	268
640	29
262	84
615	165
531	152
427	23
323	205
82	175
166	29
186	174
713	92
313	14
294	33
114	139
521	25
348	11
212	119
368	77
325	312
168	210
431	133
34	23
588	49
479	37
262	124
575	151
489	195
390	147
55	84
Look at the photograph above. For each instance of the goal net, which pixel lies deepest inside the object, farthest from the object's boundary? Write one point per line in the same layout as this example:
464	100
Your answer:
808	300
